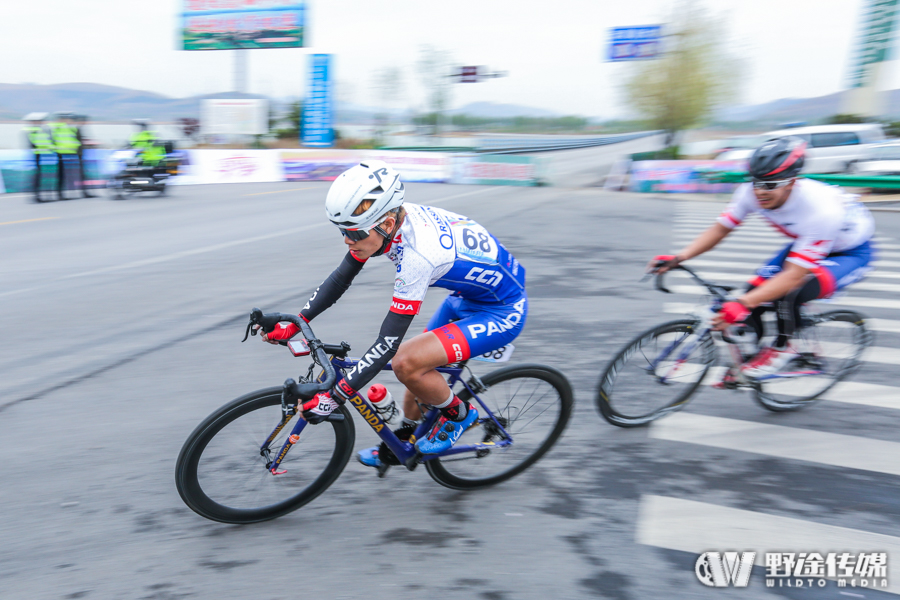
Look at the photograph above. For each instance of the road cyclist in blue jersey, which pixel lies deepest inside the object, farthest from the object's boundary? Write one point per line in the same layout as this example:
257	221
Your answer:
429	247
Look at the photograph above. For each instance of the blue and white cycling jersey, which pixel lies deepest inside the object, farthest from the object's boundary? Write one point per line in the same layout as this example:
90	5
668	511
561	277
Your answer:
435	247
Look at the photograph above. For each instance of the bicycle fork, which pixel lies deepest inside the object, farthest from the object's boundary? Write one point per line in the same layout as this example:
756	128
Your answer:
286	415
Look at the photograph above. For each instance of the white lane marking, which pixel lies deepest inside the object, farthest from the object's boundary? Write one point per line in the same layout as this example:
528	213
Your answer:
839	301
835	449
682	308
696	527
214	247
194	252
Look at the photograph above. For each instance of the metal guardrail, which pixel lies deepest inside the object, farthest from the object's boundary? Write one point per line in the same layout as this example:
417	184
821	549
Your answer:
526	145
861	181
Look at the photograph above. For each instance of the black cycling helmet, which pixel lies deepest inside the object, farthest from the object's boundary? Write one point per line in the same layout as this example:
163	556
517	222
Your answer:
778	159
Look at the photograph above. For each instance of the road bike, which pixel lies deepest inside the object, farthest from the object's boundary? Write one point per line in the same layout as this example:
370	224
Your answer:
244	464
658	372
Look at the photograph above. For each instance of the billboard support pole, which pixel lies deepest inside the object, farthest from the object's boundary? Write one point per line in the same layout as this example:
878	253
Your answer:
240	70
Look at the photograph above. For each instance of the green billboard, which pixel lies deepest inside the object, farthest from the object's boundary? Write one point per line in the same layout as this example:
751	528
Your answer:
236	24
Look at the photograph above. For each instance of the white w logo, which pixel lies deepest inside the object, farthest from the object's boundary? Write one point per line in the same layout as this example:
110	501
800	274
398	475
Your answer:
713	571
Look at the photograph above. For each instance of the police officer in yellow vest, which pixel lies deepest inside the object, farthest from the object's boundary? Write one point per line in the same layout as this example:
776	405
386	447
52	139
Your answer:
41	147
76	122
145	141
65	140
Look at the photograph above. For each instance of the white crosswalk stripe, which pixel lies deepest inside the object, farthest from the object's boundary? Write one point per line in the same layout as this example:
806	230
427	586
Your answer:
852	452
860	285
683	308
837	300
698	526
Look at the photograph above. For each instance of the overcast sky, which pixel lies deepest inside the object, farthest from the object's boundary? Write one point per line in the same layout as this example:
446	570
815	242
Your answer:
553	51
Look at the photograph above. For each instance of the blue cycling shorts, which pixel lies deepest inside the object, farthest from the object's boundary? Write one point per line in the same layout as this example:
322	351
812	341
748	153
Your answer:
467	328
834	272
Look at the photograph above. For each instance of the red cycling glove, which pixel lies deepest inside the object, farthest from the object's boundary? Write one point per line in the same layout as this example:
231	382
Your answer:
665	260
282	332
733	312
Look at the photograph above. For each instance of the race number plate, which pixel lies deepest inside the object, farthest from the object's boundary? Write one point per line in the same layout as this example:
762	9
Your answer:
499	355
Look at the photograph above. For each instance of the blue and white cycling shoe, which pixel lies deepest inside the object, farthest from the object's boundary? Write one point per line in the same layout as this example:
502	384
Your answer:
369	457
445	433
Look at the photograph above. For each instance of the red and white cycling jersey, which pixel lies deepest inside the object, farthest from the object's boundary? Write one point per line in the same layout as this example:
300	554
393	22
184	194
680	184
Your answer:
822	218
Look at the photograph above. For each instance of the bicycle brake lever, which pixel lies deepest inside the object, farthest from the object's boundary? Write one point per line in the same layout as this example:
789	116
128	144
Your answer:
248	332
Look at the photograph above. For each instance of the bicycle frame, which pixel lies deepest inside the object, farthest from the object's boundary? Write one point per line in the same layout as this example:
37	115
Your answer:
719	295
405	451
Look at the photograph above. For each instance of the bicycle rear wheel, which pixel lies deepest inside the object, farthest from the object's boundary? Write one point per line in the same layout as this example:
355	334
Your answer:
533	404
222	475
632	392
831	343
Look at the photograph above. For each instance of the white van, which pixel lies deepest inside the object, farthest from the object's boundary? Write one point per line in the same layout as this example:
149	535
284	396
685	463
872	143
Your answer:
830	148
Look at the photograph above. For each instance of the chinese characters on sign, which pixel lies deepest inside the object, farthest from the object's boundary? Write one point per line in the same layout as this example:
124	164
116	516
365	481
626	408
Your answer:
635	43
795	569
806	569
317	111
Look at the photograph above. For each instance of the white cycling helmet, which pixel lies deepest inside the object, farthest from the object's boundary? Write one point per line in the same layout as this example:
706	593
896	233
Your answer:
372	180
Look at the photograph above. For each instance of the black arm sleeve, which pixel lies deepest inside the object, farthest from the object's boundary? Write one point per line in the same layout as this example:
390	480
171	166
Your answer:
332	288
392	331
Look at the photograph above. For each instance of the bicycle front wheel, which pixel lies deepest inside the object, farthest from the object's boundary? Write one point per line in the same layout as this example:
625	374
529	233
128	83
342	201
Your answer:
831	345
655	374
221	473
533	403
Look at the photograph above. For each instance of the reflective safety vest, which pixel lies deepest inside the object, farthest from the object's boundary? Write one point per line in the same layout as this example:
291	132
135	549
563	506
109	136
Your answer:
65	138
40	141
146	141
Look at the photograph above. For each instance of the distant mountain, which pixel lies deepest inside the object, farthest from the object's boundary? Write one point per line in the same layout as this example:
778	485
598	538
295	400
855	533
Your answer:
799	109
100	102
491	110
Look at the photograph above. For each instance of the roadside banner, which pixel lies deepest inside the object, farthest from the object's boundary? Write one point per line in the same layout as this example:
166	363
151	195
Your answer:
316	165
317	110
233	166
17	170
423	167
493	169
681	176
326	165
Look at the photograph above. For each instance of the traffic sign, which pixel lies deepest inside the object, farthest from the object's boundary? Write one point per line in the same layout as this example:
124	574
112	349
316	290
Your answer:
634	43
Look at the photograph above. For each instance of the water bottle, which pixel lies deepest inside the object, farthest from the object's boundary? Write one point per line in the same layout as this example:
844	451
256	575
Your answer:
381	399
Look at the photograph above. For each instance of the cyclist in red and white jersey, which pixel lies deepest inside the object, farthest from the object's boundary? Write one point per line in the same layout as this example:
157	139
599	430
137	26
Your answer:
429	247
830	249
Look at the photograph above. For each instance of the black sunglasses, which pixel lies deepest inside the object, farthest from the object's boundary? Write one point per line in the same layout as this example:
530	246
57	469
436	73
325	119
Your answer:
358	235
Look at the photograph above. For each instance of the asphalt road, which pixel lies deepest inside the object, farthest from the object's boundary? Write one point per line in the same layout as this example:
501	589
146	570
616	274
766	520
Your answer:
122	323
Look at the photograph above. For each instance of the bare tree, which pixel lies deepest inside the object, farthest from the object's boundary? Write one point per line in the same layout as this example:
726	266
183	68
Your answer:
389	86
434	67
695	75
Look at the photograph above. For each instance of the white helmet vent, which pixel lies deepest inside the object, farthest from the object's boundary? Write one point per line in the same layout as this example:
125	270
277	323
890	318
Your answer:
373	180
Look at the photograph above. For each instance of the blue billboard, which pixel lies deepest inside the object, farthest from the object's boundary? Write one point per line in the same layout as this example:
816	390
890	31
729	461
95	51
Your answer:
635	43
318	109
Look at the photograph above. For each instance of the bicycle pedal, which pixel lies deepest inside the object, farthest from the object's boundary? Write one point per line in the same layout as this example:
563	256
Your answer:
383	469
413	461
